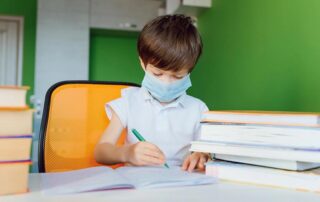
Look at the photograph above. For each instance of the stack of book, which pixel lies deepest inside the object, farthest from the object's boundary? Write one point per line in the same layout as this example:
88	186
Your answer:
15	140
269	148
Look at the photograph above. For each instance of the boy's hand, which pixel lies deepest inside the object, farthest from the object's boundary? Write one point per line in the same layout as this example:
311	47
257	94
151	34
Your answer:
145	153
195	160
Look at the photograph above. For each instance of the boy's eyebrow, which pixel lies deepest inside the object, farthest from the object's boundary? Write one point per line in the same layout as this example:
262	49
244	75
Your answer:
180	73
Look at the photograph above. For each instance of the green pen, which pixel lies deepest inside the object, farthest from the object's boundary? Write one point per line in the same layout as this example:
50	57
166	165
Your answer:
140	138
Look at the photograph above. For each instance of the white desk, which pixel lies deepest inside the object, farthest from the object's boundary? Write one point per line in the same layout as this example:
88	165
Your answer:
221	192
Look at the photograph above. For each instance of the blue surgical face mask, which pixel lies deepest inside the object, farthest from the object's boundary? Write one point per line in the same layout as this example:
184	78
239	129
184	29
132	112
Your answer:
165	92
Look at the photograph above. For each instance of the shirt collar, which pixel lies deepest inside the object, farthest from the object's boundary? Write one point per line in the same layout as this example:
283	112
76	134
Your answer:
179	101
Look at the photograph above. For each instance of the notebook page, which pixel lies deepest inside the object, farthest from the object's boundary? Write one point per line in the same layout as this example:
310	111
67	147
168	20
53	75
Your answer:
153	177
83	180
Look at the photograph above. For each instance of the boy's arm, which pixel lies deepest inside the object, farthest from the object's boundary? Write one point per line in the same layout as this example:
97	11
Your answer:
106	151
141	153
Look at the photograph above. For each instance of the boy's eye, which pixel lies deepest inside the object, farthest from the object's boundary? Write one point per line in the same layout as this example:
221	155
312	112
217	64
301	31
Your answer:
178	77
157	74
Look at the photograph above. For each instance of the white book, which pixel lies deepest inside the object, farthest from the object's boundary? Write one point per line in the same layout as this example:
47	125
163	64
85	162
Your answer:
13	96
272	163
306	180
270	152
264	117
289	136
105	178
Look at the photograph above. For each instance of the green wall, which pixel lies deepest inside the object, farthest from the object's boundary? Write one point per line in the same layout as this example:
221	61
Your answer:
27	9
113	57
260	55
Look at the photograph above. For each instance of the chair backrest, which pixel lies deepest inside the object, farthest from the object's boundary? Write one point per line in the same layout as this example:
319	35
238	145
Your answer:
73	121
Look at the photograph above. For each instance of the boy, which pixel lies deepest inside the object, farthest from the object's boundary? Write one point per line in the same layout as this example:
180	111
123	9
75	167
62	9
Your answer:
169	119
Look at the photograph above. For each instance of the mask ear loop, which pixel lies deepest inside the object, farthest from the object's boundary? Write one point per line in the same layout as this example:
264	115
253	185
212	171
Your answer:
143	64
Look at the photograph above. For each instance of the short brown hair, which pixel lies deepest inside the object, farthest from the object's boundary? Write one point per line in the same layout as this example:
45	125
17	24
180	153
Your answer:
170	42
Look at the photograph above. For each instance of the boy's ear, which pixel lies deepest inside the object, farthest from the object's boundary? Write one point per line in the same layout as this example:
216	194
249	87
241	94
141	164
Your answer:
142	64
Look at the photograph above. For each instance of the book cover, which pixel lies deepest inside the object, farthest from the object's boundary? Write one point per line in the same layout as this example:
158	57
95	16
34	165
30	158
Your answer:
16	121
264	117
14	148
290	136
14	177
237	172
13	96
266	162
258	151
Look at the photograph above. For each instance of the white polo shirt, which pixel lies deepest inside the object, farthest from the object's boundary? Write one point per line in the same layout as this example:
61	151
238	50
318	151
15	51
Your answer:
171	127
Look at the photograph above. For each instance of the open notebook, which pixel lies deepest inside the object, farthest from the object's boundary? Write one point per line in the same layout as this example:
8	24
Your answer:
104	178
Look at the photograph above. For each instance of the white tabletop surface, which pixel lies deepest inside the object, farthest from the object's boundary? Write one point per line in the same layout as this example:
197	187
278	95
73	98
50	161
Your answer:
220	192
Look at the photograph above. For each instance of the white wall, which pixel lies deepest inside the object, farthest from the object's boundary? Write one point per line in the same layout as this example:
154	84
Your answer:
122	14
62	50
62	46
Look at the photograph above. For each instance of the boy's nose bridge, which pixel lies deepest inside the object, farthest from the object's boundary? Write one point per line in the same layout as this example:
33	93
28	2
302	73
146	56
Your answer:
168	78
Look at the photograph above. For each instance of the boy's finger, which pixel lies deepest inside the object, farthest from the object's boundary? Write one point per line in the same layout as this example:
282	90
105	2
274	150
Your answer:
154	149
192	165
201	162
152	146
186	163
149	160
154	154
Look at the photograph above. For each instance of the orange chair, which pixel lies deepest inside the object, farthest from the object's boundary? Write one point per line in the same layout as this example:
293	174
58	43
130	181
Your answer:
73	120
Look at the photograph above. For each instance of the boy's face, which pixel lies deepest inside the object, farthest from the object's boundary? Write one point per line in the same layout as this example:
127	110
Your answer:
165	76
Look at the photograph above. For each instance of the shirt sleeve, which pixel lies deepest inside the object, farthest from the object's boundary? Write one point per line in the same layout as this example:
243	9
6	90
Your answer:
202	109
120	107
